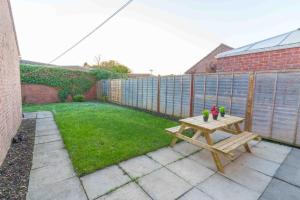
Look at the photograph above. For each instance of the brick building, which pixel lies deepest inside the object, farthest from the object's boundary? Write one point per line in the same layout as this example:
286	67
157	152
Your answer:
281	52
208	63
10	87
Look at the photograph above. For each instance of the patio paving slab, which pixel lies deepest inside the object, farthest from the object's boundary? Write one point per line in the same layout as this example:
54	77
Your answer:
289	174
293	159
204	158
221	188
247	177
129	191
165	155
139	166
280	190
47	132
253	162
185	148
44	114
48	147
190	171
271	151
163	185
42	159
195	194
46	127
103	181
49	175
46	138
69	189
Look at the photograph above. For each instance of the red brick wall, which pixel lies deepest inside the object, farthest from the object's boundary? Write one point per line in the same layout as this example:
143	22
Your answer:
271	60
10	88
40	94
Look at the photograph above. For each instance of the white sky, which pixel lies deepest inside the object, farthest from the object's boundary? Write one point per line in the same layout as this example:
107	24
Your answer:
168	36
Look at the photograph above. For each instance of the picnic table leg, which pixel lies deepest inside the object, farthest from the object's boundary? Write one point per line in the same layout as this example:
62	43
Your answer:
216	157
174	140
246	146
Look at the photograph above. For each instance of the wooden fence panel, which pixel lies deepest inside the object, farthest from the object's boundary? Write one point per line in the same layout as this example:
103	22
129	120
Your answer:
264	93
163	94
225	88
199	93
211	90
177	95
170	95
154	93
186	93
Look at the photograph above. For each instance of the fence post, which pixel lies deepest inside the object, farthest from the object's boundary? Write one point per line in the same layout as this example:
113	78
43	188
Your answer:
158	94
250	98
192	96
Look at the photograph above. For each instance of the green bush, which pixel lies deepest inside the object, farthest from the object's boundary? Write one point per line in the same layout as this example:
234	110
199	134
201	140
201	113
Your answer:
69	82
106	74
79	98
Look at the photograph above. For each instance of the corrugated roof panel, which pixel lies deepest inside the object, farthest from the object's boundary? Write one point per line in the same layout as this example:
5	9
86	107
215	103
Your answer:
287	40
293	38
269	42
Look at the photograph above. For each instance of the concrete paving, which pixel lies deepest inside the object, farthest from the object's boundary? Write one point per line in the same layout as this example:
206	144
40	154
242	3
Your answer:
183	172
52	175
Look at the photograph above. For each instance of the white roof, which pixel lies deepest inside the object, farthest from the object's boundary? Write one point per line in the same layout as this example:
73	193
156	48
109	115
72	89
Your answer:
283	41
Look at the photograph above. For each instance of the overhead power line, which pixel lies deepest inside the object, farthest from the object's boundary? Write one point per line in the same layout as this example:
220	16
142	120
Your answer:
91	32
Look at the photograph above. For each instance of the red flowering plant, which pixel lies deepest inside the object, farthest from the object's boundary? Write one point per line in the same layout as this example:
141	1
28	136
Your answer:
215	112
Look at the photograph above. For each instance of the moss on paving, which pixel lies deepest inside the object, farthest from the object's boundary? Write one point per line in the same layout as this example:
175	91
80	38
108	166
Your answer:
97	135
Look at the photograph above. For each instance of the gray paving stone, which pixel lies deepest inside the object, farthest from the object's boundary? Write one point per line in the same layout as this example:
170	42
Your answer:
293	159
48	175
42	159
185	148
289	174
46	138
190	171
48	147
47	132
69	189
44	114
247	177
221	188
195	194
45	120
279	190
139	166
271	151
264	166
204	158
163	185
165	155
29	115
129	191
46	127
103	181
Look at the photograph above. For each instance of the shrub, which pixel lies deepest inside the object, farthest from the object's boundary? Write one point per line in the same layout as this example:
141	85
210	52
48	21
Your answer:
106	74
63	95
222	109
79	98
205	113
68	81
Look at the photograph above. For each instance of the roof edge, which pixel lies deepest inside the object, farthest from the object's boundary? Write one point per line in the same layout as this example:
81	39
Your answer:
259	50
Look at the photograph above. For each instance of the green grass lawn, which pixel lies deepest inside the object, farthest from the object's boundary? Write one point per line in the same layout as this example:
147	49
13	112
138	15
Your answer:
97	135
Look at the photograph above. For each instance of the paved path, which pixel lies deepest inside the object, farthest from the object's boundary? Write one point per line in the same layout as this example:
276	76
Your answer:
52	175
184	172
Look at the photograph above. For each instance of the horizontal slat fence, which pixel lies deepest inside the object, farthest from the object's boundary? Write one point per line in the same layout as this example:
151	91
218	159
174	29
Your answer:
270	101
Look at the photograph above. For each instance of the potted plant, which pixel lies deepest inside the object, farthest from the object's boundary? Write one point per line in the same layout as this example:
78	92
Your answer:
205	114
215	112
222	111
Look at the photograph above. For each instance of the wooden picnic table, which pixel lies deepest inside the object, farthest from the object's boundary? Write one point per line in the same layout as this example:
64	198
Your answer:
228	124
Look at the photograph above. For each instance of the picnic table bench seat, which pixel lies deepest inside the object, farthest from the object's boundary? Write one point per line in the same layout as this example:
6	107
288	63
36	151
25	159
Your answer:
235	141
175	129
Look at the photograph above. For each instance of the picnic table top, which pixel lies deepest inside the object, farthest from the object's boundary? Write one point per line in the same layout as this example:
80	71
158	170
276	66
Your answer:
211	124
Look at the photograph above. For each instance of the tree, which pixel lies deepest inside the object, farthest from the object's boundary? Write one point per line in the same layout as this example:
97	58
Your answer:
86	64
98	60
113	66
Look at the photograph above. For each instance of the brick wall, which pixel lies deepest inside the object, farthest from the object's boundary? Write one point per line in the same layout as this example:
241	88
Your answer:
271	60
10	88
40	94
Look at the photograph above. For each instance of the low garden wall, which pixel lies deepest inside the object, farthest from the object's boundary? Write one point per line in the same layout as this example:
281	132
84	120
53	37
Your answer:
41	94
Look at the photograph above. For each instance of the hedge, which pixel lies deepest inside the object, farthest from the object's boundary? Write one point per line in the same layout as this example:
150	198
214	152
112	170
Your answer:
69	82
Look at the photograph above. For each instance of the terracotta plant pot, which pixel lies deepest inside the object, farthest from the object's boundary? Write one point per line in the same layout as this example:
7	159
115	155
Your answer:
205	118
215	117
